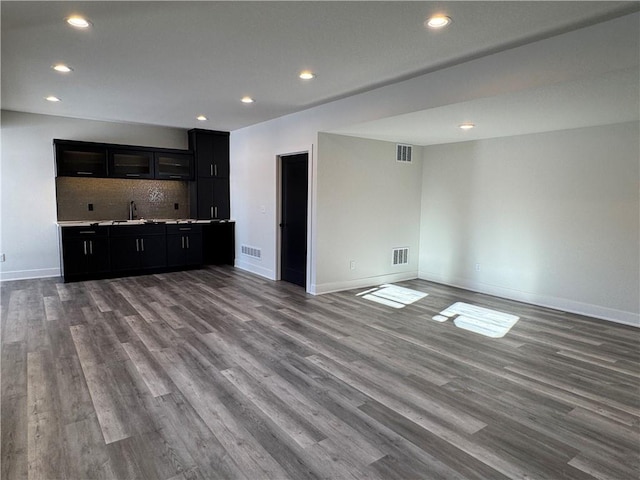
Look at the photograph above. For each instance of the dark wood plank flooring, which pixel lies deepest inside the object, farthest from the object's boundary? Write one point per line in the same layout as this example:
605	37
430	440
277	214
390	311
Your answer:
217	373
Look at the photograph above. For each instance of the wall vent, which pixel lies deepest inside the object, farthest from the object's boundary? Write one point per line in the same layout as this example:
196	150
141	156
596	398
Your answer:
400	256
251	251
403	153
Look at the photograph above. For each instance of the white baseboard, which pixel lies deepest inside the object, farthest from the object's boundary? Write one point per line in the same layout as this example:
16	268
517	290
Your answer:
563	304
29	274
319	289
257	269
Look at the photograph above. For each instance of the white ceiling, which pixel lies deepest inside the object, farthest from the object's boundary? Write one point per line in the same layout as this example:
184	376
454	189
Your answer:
164	63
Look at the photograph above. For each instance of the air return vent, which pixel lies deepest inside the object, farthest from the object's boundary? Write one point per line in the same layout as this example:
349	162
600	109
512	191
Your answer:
251	251
400	256
403	153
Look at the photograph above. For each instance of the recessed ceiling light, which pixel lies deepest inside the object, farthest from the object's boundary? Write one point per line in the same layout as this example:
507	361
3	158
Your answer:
467	126
307	75
247	100
438	21
202	118
52	98
78	21
62	68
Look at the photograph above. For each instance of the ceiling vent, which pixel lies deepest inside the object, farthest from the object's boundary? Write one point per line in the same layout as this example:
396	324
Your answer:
400	256
403	153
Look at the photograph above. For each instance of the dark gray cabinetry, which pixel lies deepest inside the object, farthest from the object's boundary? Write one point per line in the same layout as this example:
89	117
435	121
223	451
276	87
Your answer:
210	191
138	247
107	160
77	159
184	245
85	252
130	163
218	243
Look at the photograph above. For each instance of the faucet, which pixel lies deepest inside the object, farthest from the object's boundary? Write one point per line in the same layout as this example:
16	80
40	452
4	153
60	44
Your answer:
132	210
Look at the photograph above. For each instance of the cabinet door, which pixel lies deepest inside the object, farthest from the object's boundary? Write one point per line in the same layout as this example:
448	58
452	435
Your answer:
125	253
204	198
81	160
211	152
130	163
221	201
175	250
153	251
98	255
174	166
74	256
219	244
193	250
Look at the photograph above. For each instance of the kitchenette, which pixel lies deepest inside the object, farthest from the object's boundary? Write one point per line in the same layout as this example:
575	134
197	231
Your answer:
126	210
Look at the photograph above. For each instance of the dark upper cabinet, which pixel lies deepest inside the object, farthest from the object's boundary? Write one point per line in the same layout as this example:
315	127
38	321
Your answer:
78	159
210	191
173	166
86	159
211	152
85	252
130	163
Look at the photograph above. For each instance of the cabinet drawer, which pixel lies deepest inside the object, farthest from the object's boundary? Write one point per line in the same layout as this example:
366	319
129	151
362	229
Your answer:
128	230
185	228
84	232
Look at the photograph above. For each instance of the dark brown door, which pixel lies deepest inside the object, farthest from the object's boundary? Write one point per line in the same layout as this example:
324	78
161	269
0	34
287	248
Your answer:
293	257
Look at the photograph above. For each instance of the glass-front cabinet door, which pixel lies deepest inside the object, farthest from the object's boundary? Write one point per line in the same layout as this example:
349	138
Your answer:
174	166
130	164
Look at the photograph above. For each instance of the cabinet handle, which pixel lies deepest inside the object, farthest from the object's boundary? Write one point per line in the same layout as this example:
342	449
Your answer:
216	215
84	173
90	247
133	174
215	170
182	238
211	170
175	176
142	244
187	242
137	245
88	232
211	216
84	242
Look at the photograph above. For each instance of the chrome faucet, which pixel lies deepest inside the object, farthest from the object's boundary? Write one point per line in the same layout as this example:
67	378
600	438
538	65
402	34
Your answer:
132	210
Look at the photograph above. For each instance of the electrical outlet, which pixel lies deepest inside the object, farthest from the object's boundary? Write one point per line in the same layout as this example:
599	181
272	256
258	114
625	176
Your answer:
477	267
2	257
90	207
352	265
176	206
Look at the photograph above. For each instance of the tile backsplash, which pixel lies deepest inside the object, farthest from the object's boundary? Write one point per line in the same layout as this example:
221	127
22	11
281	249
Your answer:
110	198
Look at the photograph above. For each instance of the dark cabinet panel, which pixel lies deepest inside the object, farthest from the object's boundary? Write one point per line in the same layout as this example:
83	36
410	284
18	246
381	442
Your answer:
212	199
184	245
76	159
130	163
211	152
218	243
85	252
173	166
139	247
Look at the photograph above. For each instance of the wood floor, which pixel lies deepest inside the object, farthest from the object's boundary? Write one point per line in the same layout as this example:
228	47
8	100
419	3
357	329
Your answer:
220	374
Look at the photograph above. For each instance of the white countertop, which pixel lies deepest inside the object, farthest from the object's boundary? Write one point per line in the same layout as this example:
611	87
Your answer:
102	223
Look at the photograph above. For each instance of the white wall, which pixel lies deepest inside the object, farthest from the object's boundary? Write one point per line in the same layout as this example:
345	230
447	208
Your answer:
551	218
368	204
28	231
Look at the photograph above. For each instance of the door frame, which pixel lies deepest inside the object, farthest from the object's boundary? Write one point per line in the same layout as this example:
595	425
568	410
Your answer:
311	189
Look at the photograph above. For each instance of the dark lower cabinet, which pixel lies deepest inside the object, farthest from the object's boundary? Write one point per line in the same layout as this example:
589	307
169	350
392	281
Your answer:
218	243
117	250
184	245
85	252
138	248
